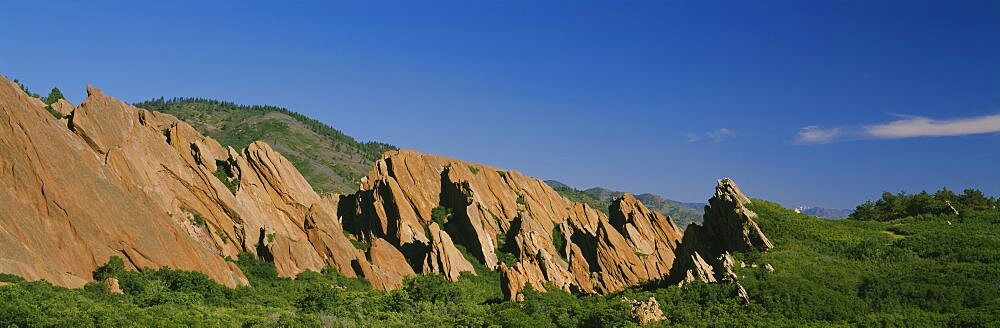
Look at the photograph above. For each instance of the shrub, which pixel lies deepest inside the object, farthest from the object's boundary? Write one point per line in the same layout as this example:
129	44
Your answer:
431	288
559	241
440	215
224	171
198	220
256	268
222	236
54	96
114	268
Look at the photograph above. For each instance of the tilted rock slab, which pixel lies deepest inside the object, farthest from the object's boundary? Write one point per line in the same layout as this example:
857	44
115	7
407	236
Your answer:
496	211
116	180
729	226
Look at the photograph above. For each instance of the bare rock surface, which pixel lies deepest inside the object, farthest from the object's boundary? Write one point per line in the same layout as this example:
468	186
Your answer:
122	181
646	312
492	212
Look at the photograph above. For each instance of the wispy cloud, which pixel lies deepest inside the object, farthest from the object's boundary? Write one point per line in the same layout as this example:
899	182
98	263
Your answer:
913	127
714	136
907	127
815	135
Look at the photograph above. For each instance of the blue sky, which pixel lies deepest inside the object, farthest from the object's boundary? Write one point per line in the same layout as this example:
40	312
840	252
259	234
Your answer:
793	99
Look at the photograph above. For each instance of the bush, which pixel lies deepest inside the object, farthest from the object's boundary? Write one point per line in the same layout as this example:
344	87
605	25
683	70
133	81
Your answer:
113	268
431	288
440	215
255	268
224	171
559	241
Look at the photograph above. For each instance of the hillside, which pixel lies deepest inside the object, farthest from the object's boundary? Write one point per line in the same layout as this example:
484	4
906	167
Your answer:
914	271
114	215
330	160
822	212
597	197
143	190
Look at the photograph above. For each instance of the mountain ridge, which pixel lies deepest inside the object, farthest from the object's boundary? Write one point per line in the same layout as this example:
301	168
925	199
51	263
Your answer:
330	160
412	214
683	213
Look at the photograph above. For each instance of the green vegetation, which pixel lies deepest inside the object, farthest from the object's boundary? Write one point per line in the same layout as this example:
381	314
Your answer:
578	196
943	202
25	89
505	249
222	236
329	159
224	171
358	244
440	215
473	169
559	241
54	96
922	270
54	112
198	220
270	237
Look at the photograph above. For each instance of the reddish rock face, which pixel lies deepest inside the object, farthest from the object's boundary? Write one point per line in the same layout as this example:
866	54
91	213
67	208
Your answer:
115	180
494	211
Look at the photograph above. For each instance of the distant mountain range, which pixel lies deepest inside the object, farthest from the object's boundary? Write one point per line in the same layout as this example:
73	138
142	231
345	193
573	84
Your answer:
826	213
599	198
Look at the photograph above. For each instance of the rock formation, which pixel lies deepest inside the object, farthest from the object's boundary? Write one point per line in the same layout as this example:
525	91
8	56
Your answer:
115	180
704	254
646	312
496	212
112	285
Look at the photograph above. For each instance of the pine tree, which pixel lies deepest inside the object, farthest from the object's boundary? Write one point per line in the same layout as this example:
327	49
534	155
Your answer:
54	96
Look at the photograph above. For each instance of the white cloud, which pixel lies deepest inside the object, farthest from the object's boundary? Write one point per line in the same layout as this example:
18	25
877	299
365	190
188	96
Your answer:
815	135
715	136
721	134
913	127
907	127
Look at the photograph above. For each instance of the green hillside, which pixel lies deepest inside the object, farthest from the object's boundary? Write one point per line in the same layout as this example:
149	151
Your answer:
916	269
329	159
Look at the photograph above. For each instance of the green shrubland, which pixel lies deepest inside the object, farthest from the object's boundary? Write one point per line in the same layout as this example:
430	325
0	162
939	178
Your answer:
904	269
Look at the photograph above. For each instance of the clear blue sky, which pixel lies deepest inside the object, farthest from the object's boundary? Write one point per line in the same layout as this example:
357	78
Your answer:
793	99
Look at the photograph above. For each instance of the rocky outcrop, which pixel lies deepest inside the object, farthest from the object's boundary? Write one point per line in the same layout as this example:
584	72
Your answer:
646	312
729	226
495	213
730	223
115	180
112	286
62	106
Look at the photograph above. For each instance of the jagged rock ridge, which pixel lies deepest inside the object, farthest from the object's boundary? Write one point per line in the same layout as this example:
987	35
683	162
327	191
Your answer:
111	179
115	180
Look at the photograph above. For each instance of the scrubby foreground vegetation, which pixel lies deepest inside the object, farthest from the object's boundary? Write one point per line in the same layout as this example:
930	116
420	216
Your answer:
885	267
